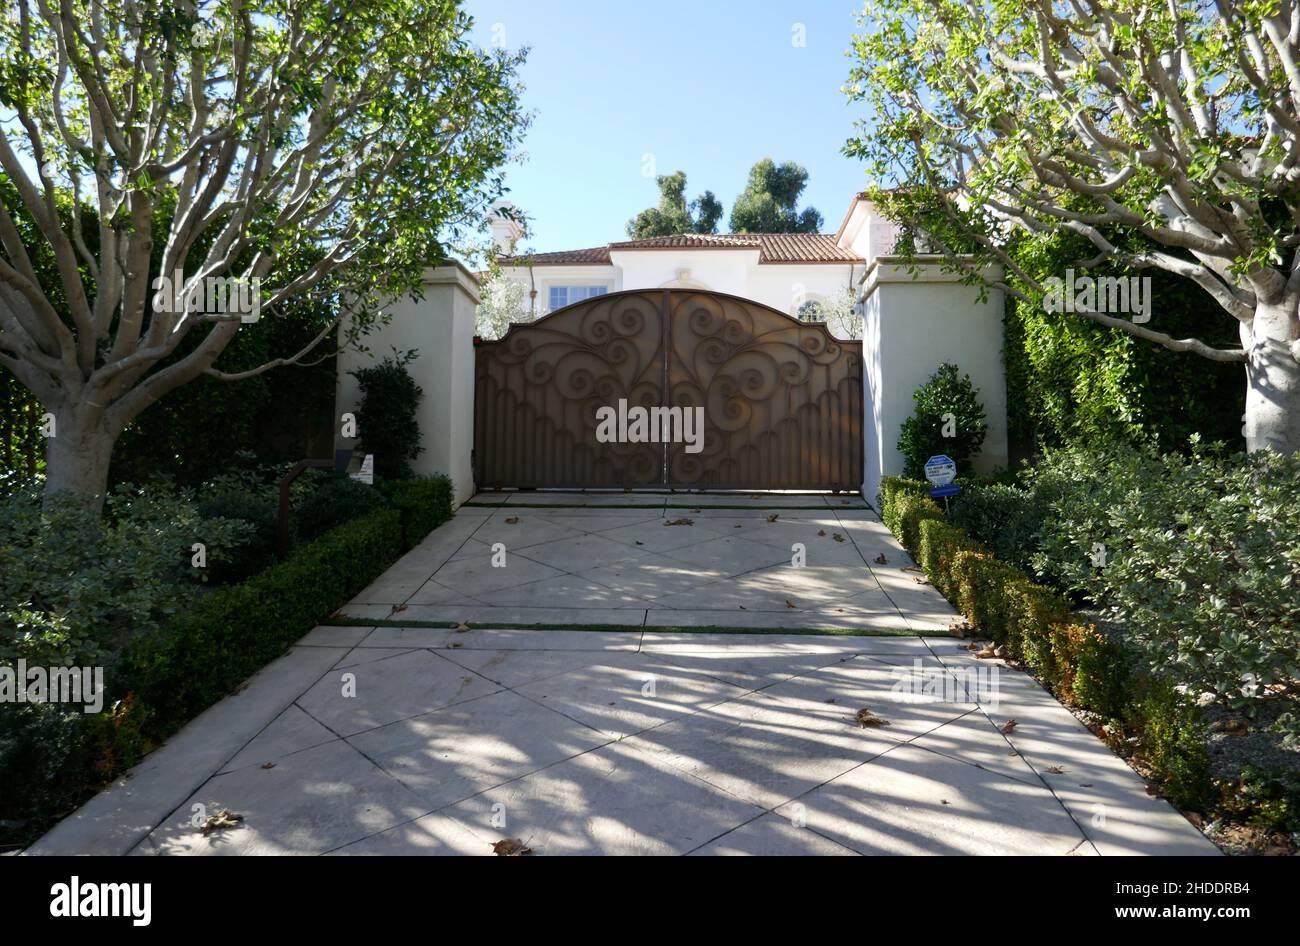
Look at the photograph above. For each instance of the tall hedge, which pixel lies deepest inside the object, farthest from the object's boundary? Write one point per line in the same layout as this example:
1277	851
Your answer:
1073	382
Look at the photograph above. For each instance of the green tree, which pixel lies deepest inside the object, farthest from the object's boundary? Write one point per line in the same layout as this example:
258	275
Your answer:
1173	121
388	416
674	215
948	419
767	204
294	149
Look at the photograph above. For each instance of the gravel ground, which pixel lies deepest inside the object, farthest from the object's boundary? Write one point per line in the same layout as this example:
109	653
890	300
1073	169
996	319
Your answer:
1235	739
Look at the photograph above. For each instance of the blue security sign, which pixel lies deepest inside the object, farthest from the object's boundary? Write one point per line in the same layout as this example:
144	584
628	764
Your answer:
948	489
940	470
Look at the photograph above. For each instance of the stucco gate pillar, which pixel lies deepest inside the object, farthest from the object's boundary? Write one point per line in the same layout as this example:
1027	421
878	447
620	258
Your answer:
914	320
441	328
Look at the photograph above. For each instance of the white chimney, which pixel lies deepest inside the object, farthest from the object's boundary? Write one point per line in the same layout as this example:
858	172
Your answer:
506	230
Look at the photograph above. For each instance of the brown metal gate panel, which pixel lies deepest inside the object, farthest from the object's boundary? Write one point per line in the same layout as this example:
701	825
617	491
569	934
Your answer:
782	399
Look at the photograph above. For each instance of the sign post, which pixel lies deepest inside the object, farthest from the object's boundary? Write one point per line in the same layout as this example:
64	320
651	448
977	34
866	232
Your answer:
941	470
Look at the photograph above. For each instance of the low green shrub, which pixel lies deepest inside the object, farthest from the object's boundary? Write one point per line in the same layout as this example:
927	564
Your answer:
937	545
335	501
236	631
1008	519
425	503
922	435
1102	672
911	512
981	582
256	551
1197	558
1032	614
387	418
75	586
1172	742
1270	797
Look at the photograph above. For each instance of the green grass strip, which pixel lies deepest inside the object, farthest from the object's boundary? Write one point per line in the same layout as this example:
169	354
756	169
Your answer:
653	628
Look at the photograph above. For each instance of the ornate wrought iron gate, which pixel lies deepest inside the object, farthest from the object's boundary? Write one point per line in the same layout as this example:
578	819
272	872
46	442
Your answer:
782	399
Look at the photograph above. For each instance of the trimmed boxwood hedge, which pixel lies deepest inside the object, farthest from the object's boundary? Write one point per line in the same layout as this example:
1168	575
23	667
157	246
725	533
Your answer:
1081	666
236	631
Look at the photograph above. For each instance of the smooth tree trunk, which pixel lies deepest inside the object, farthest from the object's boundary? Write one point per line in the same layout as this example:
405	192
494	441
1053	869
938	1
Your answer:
77	456
1272	343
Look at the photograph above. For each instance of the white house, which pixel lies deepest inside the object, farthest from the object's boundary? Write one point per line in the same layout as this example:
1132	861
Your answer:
912	318
794	273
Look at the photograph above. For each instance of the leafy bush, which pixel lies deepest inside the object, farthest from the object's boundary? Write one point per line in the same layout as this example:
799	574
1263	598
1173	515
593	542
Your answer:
923	433
938	544
257	549
1007	519
236	631
75	587
1199	563
1071	381
1271	797
891	488
1074	660
425	503
337	500
1172	742
172	665
387	419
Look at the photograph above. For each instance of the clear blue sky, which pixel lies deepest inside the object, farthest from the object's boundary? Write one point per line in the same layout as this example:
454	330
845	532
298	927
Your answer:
706	87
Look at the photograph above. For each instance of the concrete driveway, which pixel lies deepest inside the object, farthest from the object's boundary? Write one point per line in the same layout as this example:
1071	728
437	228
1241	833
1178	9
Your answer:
637	559
432	740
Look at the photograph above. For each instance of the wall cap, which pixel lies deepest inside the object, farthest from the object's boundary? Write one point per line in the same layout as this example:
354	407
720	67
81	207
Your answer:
919	269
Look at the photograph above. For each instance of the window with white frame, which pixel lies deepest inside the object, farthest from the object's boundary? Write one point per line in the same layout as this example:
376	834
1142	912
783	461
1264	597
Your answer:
560	296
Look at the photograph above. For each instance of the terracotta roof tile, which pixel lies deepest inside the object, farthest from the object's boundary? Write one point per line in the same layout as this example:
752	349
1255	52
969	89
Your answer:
691	240
772	248
804	248
592	256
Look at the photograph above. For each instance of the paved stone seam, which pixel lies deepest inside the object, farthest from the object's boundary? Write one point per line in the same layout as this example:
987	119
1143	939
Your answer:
744	692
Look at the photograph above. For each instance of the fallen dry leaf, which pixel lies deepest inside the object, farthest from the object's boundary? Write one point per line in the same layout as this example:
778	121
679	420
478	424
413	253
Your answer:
1009	727
911	568
837	537
268	765
460	628
679	522
510	847
791	604
821	532
222	819
865	718
991	651
1055	770
881	560
398	608
774	517
920	581
511	520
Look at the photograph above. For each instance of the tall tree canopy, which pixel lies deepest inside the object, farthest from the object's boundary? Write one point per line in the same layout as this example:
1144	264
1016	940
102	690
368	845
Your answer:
1177	123
299	147
674	215
767	204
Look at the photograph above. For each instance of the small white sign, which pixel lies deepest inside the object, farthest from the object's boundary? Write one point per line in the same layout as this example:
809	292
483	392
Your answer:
940	470
367	472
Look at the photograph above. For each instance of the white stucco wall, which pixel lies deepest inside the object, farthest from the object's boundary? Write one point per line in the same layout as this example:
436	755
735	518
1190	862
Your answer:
441	328
911	325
